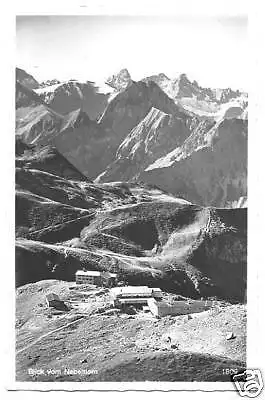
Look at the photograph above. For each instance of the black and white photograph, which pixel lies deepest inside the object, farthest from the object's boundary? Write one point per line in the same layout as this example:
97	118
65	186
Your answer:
131	209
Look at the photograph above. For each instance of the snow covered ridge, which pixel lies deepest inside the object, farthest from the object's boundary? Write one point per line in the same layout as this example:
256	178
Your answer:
182	87
206	102
176	88
48	83
100	87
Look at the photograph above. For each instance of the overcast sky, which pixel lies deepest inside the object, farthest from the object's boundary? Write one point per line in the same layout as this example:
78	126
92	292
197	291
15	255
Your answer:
210	49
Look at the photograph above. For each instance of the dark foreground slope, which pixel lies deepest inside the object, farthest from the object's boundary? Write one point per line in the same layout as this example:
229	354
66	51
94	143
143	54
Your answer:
143	234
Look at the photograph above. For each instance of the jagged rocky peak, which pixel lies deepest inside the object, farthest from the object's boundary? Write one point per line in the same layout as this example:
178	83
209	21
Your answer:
49	82
191	95
224	95
131	105
26	79
183	79
184	87
162	76
158	79
121	80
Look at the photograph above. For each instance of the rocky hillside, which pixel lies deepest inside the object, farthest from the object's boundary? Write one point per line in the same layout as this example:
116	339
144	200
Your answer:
78	138
209	168
201	160
131	105
25	98
26	79
154	137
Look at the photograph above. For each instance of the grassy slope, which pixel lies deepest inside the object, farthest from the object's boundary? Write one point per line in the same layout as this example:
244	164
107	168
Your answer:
192	257
140	232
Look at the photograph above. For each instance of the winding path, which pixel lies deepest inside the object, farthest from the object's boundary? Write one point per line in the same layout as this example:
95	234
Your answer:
48	334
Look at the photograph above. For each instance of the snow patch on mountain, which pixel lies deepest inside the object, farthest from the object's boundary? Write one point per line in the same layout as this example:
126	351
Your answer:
204	102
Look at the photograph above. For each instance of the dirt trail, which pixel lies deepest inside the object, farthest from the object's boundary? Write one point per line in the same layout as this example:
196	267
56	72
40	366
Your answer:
48	334
59	225
88	215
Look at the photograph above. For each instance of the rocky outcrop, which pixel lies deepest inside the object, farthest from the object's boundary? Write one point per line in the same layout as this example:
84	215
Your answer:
120	81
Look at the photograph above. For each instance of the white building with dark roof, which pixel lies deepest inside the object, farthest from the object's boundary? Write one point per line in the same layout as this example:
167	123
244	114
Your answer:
134	295
87	277
95	278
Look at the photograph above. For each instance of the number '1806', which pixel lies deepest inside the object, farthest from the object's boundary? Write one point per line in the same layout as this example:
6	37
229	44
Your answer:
230	371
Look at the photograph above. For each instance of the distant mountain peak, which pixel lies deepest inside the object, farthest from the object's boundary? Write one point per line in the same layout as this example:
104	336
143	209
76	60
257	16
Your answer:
49	82
121	80
161	76
183	77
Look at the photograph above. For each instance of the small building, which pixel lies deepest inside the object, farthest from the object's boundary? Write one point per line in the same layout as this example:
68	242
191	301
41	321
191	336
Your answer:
104	278
162	308
88	277
137	295
53	300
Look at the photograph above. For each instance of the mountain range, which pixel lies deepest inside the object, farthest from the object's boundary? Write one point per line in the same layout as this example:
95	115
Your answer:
147	179
187	140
